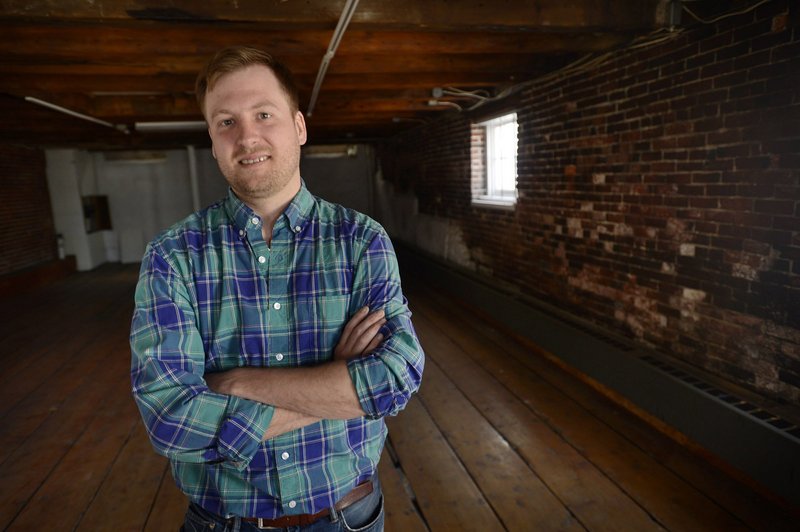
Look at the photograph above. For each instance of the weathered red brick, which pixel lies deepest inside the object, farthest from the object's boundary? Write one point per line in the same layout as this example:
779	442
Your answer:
683	165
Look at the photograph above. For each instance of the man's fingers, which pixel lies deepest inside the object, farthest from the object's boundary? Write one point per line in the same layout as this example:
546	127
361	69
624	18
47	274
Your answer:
369	321
360	332
363	339
373	345
360	323
360	314
344	345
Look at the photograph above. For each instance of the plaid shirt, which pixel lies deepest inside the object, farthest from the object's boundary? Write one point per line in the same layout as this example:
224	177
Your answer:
213	296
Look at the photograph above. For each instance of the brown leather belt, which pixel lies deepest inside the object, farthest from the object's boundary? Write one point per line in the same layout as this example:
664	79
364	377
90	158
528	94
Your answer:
355	495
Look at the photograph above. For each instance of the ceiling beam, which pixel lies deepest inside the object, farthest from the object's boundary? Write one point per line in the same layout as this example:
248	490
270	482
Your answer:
430	15
116	41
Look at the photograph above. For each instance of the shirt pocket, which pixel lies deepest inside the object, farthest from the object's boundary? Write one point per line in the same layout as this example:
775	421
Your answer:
320	321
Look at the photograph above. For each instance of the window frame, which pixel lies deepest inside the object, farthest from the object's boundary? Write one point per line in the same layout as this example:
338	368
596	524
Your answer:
484	171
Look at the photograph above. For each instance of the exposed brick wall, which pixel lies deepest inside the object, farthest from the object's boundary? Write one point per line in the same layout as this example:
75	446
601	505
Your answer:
659	196
27	237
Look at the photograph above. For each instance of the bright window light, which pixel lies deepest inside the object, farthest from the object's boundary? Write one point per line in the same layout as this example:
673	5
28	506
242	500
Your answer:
499	142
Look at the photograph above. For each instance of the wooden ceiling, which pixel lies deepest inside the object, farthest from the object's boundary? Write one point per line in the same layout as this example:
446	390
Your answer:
133	61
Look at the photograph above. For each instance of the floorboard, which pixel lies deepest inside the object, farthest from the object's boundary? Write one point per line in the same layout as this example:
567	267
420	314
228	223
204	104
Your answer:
78	476
128	492
169	504
519	497
750	507
499	437
639	475
585	490
400	512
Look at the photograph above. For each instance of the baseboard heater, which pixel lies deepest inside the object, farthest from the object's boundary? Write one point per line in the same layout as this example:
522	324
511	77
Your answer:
759	443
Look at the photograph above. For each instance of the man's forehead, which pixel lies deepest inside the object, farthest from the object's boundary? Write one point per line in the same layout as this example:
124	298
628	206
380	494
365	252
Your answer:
245	89
260	105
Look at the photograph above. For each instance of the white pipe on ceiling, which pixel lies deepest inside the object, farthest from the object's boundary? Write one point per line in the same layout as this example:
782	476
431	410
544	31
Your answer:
37	101
344	20
186	125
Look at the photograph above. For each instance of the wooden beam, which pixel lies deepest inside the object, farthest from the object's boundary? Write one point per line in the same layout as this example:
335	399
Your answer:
23	84
425	80
429	14
131	107
80	40
542	40
104	65
420	63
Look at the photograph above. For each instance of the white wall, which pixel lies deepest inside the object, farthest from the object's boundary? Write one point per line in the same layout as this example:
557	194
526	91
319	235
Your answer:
211	183
144	198
343	180
147	196
63	183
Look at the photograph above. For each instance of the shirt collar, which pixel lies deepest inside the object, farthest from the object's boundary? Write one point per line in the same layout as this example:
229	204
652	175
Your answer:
297	213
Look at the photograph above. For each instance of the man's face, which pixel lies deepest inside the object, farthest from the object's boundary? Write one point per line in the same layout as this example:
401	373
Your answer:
255	135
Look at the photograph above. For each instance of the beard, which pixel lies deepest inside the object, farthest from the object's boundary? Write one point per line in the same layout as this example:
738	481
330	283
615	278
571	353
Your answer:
265	179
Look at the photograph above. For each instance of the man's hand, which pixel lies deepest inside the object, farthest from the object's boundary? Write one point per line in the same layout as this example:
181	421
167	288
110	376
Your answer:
360	336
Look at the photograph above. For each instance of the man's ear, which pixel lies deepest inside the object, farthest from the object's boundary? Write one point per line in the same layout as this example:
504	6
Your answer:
300	127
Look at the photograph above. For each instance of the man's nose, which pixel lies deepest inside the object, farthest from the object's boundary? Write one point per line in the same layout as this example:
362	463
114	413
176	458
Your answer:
248	133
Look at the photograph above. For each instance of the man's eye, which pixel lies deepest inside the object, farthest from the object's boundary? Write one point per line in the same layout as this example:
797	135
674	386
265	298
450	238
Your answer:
264	116
226	122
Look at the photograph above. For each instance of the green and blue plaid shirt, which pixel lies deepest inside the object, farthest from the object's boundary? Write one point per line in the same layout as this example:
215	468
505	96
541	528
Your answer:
213	296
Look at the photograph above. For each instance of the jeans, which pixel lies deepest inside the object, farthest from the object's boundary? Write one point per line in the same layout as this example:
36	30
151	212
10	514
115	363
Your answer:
364	516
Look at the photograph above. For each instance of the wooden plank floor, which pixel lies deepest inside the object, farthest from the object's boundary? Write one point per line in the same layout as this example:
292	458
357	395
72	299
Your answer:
497	439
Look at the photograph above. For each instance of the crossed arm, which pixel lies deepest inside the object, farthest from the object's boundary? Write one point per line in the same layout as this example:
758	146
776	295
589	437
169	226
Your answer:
306	395
195	416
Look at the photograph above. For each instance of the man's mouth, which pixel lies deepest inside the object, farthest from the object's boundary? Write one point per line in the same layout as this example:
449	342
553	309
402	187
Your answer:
254	160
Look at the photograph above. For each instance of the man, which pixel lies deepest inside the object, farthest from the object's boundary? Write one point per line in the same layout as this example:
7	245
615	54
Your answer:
270	335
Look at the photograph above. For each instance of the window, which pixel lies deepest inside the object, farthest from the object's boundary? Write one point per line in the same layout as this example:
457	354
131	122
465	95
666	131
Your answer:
494	161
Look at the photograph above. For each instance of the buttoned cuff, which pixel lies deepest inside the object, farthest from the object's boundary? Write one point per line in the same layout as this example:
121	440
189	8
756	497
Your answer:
240	434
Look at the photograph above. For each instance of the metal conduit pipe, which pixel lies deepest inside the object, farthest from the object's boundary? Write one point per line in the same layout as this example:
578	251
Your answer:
344	20
193	182
119	127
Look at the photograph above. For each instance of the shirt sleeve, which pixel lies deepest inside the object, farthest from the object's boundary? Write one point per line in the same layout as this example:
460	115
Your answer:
184	419
386	379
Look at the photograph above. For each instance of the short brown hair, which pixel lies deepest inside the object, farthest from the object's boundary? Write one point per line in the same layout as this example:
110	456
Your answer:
236	58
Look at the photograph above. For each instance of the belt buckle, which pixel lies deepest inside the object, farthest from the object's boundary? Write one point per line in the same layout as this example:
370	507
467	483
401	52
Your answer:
261	526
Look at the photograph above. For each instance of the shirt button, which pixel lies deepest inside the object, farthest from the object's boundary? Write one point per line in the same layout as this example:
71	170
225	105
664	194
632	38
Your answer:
285	455
262	259
276	306
254	220
296	228
241	232
279	357
292	504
